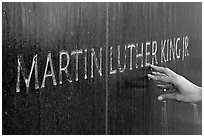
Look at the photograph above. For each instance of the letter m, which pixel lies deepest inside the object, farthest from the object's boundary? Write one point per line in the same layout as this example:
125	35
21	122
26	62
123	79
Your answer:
22	67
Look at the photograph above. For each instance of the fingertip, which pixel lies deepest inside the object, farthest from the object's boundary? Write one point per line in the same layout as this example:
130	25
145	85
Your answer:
147	64
159	85
148	78
149	75
154	67
154	72
160	98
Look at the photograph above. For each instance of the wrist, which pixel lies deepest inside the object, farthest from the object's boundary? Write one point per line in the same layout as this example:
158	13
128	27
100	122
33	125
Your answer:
199	94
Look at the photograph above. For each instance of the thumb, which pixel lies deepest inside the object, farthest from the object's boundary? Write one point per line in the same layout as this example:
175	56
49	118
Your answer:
172	96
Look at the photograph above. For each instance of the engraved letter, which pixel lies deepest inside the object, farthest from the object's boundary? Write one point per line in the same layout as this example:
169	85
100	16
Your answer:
21	66
183	48
64	68
172	49
111	61
119	61
85	64
163	43
186	46
77	52
167	50
94	59
154	51
177	51
49	59
139	55
131	46
147	53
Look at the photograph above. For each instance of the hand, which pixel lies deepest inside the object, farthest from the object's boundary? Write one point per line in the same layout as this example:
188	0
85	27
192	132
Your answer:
184	90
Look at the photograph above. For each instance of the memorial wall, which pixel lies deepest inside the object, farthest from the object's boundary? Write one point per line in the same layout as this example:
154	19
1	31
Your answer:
81	68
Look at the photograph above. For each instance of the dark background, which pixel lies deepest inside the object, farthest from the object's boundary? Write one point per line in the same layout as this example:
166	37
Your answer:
126	103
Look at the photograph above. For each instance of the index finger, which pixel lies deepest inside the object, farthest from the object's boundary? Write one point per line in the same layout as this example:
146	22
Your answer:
166	71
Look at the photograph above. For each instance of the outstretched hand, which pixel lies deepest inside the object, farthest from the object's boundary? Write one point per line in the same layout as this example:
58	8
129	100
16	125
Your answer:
184	90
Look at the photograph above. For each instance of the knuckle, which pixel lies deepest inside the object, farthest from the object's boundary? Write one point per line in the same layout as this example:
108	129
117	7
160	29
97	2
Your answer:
159	78
156	78
167	70
164	69
177	79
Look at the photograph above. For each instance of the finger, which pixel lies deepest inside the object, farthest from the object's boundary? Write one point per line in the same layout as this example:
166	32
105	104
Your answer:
160	82
160	78
148	64
182	98
166	86
168	97
166	71
158	73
